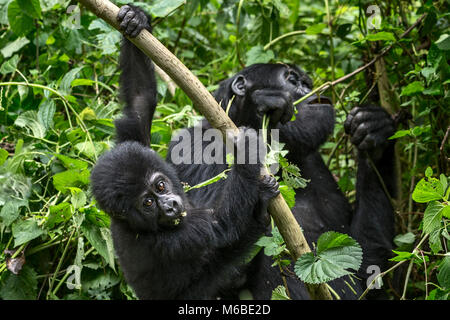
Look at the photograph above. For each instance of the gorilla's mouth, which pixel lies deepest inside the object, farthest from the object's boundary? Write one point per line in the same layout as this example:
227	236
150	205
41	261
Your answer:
173	221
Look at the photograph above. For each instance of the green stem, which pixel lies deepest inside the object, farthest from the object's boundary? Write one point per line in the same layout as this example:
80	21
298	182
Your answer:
289	34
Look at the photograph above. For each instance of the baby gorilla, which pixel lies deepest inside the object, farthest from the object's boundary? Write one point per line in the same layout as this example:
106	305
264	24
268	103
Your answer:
167	248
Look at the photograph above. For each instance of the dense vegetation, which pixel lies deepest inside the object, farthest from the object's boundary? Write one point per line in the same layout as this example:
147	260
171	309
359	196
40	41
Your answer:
59	97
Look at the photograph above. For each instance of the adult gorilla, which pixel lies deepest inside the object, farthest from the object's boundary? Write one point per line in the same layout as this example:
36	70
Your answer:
271	89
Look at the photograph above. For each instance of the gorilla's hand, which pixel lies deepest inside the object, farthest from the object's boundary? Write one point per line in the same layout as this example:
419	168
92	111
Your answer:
369	128
132	20
275	103
268	189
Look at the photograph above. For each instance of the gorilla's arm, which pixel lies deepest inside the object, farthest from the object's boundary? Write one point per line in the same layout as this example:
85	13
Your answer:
137	80
373	221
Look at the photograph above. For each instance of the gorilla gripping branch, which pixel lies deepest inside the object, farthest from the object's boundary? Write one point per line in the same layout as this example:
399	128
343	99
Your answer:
204	102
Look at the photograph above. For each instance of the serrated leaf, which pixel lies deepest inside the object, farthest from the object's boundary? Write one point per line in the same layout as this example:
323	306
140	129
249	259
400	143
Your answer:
401	256
9	65
70	178
428	190
70	163
279	293
444	273
413	88
20	287
25	230
59	213
432	217
30	121
257	55
288	194
404	239
336	255
64	85
443	42
399	134
100	239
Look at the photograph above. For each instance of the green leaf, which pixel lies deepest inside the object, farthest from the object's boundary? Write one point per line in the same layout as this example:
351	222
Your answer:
70	163
336	254
443	42
10	211
399	134
404	239
30	121
413	88
78	198
100	239
31	7
21	23
46	113
432	217
315	29
25	230
257	55
20	287
59	213
14	46
70	178
383	35
444	273
428	190
446	211
64	85
279	293
428	172
163	8
402	256
10	65
3	156
288	194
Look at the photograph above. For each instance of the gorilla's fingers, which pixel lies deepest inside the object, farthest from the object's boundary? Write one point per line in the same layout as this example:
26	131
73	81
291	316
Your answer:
123	11
124	24
132	26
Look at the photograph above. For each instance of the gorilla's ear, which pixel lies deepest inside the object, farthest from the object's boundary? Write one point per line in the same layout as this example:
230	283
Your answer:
239	85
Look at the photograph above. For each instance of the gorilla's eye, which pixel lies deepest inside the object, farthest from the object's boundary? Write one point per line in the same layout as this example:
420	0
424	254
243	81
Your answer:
148	202
161	186
292	78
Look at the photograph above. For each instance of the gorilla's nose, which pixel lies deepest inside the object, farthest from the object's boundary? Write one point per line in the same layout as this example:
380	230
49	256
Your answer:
172	208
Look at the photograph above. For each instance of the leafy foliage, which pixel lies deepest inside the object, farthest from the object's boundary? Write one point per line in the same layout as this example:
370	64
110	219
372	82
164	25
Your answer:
59	98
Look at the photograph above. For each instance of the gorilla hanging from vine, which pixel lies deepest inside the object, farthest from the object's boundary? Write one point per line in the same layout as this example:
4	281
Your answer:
271	89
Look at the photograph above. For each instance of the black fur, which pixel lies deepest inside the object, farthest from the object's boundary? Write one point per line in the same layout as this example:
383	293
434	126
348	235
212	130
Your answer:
321	206
199	257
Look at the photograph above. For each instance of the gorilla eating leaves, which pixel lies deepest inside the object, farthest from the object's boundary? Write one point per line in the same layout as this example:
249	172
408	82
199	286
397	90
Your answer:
271	89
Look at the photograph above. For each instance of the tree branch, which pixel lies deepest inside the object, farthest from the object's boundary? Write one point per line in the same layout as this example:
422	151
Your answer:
205	103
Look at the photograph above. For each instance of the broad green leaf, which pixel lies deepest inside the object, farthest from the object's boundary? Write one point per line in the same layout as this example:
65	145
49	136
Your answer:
59	213
428	172
10	211
446	211
90	149
70	178
163	8
64	85
78	198
31	7
336	254
9	65
70	163
315	29
14	46
434	240
21	23
401	256
399	134
404	239
100	239
443	42
387	36
30	121
20	287
413	88
428	190
46	113
288	194
257	54
444	273
25	230
432	217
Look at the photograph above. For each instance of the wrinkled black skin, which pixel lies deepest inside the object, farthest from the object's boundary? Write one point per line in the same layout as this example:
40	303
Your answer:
202	256
321	206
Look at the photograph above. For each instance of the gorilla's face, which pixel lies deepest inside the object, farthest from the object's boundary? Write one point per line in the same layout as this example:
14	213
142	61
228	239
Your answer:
159	201
268	89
